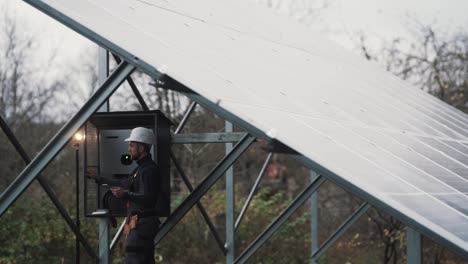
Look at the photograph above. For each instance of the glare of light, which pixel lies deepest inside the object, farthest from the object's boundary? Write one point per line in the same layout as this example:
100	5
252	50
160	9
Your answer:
78	137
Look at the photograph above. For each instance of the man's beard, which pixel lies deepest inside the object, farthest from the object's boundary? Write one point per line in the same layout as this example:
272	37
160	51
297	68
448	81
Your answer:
136	156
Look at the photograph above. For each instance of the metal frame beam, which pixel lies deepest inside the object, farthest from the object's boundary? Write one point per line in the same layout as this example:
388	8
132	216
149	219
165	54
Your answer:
201	138
204	186
341	230
54	146
47	188
252	191
271	229
199	205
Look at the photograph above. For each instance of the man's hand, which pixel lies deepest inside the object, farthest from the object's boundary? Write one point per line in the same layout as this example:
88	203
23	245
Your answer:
117	191
91	174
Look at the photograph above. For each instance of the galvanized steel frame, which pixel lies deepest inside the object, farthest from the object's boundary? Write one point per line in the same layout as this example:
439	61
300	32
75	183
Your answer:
230	202
25	178
340	231
204	186
38	164
199	205
292	207
63	136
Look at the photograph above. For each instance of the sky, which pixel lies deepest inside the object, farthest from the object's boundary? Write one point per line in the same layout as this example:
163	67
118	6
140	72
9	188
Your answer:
341	21
387	19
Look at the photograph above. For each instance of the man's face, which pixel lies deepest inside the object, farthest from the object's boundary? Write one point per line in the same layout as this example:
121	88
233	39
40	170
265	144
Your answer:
135	150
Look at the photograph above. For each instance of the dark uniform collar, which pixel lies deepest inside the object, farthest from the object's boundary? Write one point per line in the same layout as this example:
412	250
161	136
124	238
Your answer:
144	159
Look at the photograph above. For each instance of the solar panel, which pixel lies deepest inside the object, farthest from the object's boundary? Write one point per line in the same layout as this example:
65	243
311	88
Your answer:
400	148
456	145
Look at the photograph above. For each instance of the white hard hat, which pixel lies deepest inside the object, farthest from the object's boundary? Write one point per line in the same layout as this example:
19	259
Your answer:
141	134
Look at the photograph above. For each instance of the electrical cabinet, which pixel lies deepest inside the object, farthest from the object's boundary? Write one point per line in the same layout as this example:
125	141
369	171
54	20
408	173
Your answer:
106	153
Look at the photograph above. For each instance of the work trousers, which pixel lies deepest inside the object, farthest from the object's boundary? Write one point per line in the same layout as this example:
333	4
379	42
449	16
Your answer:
140	242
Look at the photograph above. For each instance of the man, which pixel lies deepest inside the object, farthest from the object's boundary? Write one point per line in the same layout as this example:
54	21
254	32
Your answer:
140	193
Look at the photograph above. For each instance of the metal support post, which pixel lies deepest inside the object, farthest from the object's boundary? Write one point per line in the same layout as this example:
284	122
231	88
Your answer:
104	257
132	84
204	186
292	207
313	219
54	146
199	205
230	188
185	118
77	198
103	73
413	246
45	185
341	230
252	191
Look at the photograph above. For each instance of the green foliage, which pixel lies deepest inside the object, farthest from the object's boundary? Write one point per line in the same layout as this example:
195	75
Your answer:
34	232
193	238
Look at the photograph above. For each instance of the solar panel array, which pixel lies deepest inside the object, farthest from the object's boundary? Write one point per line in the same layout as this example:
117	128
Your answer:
398	146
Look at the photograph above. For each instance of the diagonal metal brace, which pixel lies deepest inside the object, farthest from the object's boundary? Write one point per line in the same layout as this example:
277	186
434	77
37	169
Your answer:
204	186
132	84
252	191
186	117
271	229
199	205
117	235
47	188
341	230
54	146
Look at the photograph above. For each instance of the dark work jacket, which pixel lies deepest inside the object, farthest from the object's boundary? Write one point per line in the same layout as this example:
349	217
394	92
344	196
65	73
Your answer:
141	186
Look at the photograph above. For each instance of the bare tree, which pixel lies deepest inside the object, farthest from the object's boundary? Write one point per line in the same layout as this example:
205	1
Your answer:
27	92
391	233
436	63
24	89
